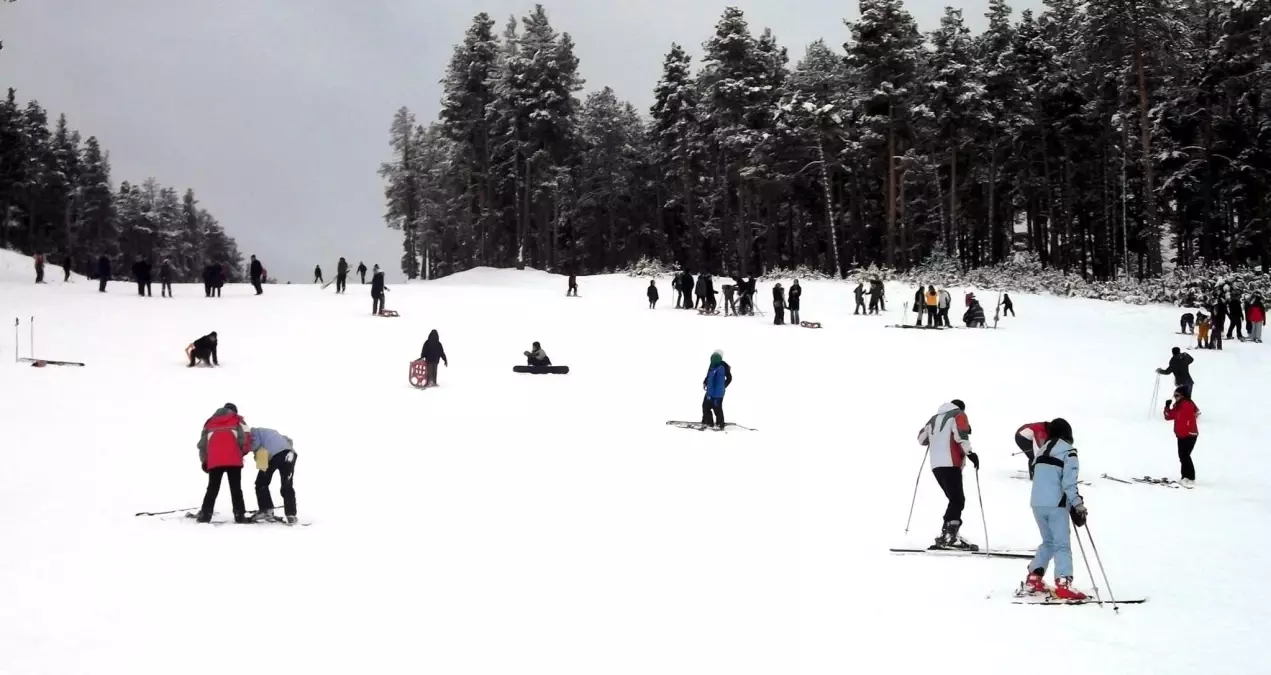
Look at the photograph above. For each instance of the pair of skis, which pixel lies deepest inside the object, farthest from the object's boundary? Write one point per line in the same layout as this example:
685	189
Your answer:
1149	480
698	426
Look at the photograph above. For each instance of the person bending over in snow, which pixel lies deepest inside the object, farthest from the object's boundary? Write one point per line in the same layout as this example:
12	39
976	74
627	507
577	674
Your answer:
1187	323
1179	367
718	376
224	441
1056	503
537	357
203	350
1030	438
947	436
274	452
432	353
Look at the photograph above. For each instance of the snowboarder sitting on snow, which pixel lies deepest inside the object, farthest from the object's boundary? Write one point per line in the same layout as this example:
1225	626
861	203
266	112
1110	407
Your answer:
1055	500
537	357
274	452
1029	438
947	436
224	441
1180	368
203	350
974	317
431	354
1187	323
718	377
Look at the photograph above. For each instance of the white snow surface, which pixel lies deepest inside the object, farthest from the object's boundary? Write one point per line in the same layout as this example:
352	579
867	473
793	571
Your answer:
506	523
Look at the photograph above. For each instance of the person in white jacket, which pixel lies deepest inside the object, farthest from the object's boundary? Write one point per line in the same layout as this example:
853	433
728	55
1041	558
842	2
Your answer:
942	311
947	436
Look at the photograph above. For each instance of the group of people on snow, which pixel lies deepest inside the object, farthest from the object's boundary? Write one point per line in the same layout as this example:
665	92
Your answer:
224	441
341	274
877	297
1239	316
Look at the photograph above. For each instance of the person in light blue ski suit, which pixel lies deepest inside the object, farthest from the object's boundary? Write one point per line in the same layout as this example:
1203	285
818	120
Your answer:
1056	504
274	452
718	377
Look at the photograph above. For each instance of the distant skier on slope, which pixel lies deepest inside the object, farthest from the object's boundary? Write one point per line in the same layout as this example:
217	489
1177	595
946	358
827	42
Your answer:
1056	503
1008	307
204	350
1183	413
224	441
1030	438
537	357
274	452
432	353
947	436
341	275
718	376
361	271
1180	368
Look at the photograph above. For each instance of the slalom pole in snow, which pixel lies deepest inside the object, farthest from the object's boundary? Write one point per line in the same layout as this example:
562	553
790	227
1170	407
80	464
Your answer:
32	345
1156	391
1081	547
917	480
979	493
1106	584
16	323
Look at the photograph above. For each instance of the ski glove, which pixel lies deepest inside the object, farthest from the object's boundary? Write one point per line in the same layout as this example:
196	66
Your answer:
975	459
1078	513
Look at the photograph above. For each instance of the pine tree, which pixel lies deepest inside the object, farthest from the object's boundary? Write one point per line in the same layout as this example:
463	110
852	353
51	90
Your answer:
402	190
677	142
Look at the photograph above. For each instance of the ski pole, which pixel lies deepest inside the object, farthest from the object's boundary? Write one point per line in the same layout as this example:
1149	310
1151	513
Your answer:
979	493
16	322
32	345
1081	547
1107	584
1156	390
917	480
161	513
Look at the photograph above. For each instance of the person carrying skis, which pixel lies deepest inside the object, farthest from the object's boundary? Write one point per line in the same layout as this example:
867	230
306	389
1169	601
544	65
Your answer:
224	441
652	294
274	453
431	354
947	436
1180	368
795	294
778	305
341	275
317	274
203	349
361	271
1030	438
1182	411
377	291
537	357
859	293
718	376
1056	503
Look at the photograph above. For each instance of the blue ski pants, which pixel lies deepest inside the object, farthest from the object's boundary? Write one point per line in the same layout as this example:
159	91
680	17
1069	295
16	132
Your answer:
1053	522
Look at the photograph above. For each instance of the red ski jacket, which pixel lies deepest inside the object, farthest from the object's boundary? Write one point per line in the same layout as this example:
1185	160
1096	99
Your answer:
1256	315
1034	431
1184	417
225	440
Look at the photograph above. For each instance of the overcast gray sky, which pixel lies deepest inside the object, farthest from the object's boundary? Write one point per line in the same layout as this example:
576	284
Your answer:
276	112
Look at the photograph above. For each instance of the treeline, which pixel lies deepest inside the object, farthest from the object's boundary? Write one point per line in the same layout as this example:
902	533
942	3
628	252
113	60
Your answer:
1106	137
56	199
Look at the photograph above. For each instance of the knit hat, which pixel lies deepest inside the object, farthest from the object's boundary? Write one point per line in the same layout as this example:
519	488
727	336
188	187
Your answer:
231	407
958	402
1059	428
717	358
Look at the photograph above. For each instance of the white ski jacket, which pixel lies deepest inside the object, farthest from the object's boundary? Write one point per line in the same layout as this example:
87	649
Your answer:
947	436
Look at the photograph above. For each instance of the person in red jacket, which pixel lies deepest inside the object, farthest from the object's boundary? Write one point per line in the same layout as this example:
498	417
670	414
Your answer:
1257	317
1030	438
1183	412
225	439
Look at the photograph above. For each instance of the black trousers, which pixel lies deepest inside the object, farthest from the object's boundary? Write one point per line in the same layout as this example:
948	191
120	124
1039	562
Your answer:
860	307
235	475
942	317
66	274
1185	447
653	304
1185	387
285	464
713	408
256	285
317	278
363	275
1027	446
143	289
377	303
165	288
778	314
200	355
101	285
1236	328
430	373
340	283
950	480
39	274
1008	309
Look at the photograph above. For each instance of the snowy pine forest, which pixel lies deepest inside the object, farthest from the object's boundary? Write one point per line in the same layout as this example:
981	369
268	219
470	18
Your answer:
1106	141
57	199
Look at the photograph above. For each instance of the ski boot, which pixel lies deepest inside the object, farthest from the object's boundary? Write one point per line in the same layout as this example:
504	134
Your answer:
242	519
292	520
263	516
1065	591
1035	584
203	517
949	538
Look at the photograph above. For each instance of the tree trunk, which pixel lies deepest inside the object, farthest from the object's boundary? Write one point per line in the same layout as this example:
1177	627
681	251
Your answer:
1149	182
891	189
829	207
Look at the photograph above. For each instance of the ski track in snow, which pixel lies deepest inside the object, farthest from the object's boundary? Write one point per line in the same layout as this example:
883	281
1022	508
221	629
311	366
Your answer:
510	523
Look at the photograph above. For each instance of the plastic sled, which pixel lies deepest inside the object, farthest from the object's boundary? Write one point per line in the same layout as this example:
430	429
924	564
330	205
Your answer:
810	324
418	374
542	370
388	312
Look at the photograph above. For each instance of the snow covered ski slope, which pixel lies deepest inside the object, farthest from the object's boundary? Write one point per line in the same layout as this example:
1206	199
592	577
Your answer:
507	523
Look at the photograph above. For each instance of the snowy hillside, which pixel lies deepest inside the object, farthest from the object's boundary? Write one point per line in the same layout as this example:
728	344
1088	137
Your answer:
18	268
506	523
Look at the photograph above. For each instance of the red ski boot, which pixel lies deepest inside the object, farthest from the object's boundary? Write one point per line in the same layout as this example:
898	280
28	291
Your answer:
1035	584
1064	591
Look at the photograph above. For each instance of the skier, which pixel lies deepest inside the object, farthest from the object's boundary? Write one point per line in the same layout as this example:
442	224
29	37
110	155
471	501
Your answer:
203	349
1182	411
677	286
652	293
1030	438
687	289
1008	307
257	272
778	305
947	436
573	286
274	452
699	293
165	279
730	305
1055	500
432	352
317	274
748	297
859	292
377	291
1257	318
718	377
1180	368
537	357
341	275
361	271
942	309
1216	325
103	272
712	305
1236	315
224	441
1187	323
39	268
795	293
67	265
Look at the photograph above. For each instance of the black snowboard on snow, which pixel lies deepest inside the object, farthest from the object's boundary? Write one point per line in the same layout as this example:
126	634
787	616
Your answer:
542	370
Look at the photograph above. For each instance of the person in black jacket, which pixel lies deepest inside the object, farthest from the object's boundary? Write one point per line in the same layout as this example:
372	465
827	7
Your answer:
103	273
141	274
1217	324
1180	368
341	275
793	296
165	279
431	354
257	271
1008	307
361	271
778	305
859	292
317	274
203	349
377	291
1236	315
573	287
67	265
653	294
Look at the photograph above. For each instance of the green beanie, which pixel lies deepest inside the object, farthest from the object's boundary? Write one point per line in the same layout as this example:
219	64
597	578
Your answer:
716	359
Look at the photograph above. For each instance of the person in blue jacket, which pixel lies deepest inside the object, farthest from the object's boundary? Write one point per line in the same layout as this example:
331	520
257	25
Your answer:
1054	499
718	377
274	452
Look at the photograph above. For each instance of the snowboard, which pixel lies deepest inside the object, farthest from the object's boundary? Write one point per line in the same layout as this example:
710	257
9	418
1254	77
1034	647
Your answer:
728	426
1020	554
542	370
